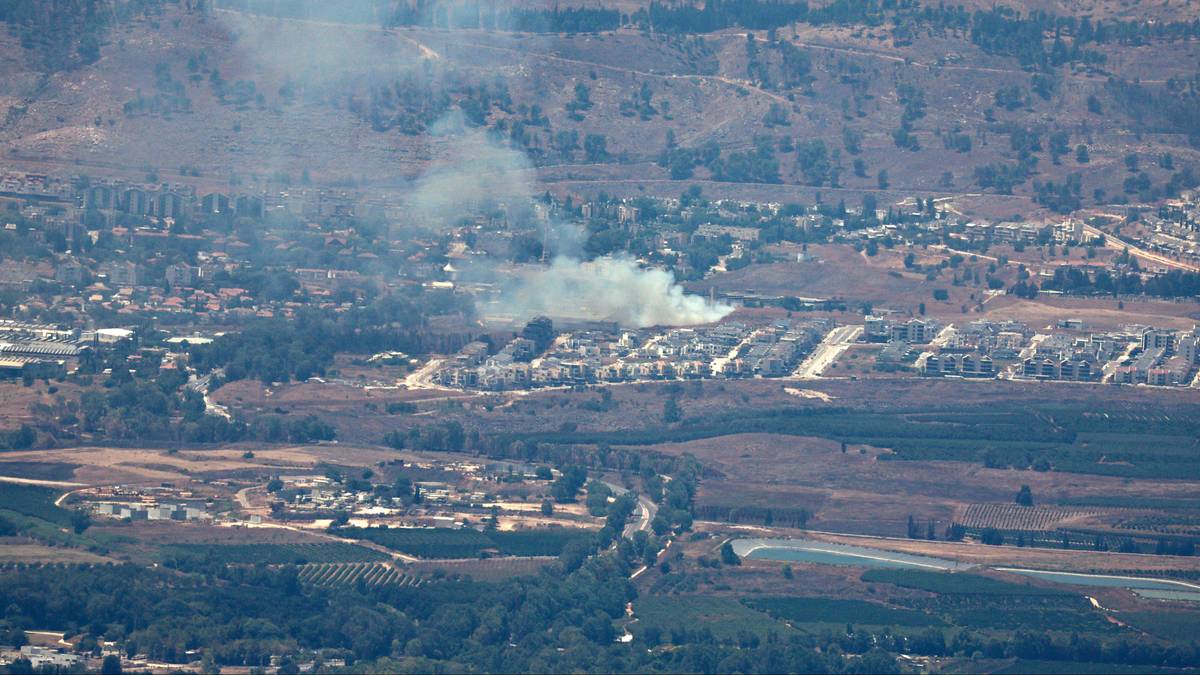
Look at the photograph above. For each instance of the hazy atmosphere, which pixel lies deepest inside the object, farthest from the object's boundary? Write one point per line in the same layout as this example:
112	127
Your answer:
638	336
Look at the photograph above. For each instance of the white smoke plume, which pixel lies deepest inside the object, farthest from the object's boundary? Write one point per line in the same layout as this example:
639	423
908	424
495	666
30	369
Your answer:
476	171
469	173
612	288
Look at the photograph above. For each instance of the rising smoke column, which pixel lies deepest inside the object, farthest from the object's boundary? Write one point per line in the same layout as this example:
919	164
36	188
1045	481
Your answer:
475	170
612	288
470	172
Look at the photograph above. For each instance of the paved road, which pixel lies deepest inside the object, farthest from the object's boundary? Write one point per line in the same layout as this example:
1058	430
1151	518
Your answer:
646	510
1113	242
835	342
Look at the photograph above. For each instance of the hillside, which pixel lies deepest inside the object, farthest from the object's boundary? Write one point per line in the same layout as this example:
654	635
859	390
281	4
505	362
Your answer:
899	103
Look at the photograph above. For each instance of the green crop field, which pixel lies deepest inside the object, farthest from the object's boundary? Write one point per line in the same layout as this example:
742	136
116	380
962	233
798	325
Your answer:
543	542
1168	625
1070	439
957	583
33	501
466	543
992	617
726	619
825	610
985	604
275	554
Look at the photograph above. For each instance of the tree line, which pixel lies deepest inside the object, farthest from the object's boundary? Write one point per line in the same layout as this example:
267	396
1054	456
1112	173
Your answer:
1088	281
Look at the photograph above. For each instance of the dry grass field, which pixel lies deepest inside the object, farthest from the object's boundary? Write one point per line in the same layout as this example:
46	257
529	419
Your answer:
112	465
856	492
15	550
840	272
17	400
1098	314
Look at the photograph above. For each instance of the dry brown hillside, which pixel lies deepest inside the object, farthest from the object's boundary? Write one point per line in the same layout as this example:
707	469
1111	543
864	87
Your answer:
236	97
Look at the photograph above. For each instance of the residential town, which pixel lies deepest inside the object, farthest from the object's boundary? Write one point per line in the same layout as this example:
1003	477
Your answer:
726	350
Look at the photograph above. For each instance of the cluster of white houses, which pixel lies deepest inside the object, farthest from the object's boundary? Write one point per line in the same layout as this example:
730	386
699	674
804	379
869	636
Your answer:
913	331
1133	355
978	349
728	350
1070	230
1167	358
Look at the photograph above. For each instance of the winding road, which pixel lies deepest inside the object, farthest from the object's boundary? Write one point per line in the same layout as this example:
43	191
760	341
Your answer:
646	508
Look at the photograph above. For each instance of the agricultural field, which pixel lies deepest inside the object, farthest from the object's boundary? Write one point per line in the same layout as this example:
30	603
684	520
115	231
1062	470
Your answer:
1065	616
424	542
540	542
1002	618
725	619
1163	524
51	471
275	554
330	574
979	602
894	452
809	610
20	552
1112	442
355	204
468	543
836	271
958	584
1165	624
101	465
1017	517
491	569
35	502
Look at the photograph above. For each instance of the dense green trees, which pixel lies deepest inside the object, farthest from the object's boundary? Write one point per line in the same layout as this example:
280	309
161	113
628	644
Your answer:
448	436
1172	284
718	14
812	159
1024	496
281	351
20	438
1004	177
1061	197
252	614
671	413
271	352
597	498
728	556
68	34
567	485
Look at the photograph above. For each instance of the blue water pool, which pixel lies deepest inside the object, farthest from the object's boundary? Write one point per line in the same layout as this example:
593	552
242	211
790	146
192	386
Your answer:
823	553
